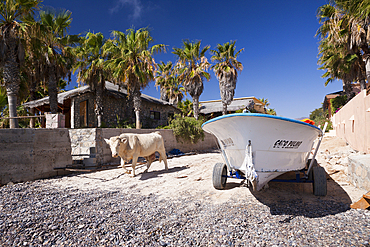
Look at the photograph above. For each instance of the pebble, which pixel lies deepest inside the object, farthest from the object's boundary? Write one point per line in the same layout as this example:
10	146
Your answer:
40	214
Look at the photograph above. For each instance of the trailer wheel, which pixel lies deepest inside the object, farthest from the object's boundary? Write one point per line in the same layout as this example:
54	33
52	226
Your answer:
319	181
219	176
315	164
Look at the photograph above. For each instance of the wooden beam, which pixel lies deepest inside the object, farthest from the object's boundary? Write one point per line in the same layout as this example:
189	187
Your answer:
23	117
363	203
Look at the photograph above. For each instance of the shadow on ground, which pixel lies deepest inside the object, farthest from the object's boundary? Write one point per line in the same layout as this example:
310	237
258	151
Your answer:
297	199
155	174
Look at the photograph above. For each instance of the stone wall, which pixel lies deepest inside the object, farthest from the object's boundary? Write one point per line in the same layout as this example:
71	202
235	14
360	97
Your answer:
28	154
115	109
91	142
359	171
91	119
165	112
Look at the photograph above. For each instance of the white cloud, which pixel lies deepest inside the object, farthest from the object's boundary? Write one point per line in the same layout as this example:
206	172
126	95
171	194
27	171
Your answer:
134	4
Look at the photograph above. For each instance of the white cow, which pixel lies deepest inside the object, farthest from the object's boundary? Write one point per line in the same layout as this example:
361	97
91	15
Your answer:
132	146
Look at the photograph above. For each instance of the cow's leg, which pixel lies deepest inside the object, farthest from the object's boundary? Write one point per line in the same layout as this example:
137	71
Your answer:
148	163
134	161
124	167
162	153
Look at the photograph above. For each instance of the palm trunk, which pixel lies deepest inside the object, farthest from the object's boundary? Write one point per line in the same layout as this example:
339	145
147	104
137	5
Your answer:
363	84
227	83
32	97
137	105
196	106
224	108
99	101
347	89
32	120
137	114
53	92
367	67
163	93
12	101
12	81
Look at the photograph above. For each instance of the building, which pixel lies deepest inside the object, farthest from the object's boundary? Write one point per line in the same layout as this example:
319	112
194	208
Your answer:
326	104
213	108
78	106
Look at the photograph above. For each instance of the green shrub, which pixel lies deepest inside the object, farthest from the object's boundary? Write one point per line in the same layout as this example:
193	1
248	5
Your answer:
165	127
187	129
337	103
320	117
124	124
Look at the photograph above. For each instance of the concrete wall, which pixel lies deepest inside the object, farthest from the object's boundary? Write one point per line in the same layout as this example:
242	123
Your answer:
87	141
359	171
351	123
28	154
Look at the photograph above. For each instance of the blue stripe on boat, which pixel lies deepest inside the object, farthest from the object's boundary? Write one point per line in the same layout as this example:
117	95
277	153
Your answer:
260	115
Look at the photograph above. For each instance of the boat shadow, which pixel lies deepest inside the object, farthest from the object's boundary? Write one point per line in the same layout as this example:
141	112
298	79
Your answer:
297	199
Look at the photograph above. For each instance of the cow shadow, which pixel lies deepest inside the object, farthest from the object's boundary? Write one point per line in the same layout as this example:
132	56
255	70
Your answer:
297	199
158	173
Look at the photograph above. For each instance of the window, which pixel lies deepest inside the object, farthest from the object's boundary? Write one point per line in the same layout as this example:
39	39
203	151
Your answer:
83	113
155	115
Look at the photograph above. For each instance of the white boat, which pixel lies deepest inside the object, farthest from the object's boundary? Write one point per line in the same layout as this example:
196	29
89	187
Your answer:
261	147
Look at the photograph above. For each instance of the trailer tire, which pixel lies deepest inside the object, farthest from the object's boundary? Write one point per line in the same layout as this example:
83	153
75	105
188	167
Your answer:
219	176
315	164
319	181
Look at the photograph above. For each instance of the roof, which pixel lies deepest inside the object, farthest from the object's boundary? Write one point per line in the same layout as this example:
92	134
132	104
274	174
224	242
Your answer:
237	104
120	92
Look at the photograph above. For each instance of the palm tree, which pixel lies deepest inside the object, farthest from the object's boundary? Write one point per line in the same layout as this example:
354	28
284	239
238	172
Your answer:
163	77
57	51
334	56
344	51
169	83
186	107
192	65
131	62
175	91
11	48
91	68
269	110
226	70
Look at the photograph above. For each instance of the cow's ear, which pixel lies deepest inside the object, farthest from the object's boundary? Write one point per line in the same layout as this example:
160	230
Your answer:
107	141
123	140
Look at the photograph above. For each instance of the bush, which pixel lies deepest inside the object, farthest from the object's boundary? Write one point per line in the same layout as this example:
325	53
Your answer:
320	117
337	103
187	129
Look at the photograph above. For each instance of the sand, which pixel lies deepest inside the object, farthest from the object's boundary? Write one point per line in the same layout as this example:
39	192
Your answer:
191	176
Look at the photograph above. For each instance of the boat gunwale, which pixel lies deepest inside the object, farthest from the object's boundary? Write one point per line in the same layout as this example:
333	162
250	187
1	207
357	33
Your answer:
261	115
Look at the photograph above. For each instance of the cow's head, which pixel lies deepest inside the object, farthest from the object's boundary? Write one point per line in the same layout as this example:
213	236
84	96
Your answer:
116	144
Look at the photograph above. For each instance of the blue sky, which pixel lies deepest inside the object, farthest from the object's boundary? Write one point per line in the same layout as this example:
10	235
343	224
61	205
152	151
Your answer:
278	37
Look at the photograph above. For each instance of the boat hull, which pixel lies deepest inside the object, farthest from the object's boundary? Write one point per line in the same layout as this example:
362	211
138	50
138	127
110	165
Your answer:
278	144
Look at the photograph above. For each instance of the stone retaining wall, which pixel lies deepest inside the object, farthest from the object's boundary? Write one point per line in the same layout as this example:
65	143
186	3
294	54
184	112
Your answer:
28	154
359	171
91	142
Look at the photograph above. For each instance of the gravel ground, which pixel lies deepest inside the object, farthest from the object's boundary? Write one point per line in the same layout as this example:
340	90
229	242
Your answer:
178	207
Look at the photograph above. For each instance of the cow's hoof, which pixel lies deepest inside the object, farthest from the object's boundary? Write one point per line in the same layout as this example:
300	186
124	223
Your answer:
128	172
146	171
